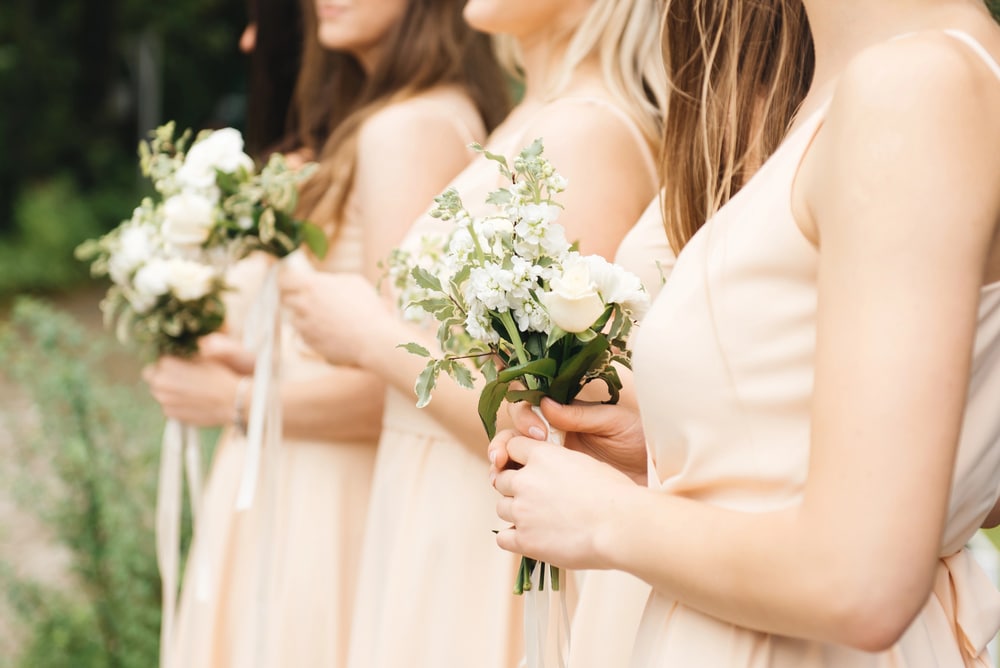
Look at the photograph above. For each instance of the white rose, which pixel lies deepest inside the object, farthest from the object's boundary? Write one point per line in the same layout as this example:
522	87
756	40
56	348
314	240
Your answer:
222	150
618	286
573	302
188	219
135	245
189	281
151	279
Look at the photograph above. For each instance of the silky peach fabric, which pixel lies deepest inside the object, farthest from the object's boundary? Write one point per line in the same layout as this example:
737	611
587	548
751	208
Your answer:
724	368
273	586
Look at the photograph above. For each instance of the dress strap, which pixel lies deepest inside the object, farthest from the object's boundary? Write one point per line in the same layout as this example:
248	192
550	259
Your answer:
629	123
977	48
446	111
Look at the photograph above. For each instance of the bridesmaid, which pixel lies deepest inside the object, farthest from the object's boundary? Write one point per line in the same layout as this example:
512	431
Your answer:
274	586
434	589
818	380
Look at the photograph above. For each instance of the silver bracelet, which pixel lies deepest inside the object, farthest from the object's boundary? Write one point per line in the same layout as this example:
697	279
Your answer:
239	405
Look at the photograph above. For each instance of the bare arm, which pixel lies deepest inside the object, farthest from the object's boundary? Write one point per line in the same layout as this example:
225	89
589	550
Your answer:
609	187
905	206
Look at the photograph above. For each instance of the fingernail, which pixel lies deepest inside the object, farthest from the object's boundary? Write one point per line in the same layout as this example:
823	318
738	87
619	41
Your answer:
493	479
536	433
493	457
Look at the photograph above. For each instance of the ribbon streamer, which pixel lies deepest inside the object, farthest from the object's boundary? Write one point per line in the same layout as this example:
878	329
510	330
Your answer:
180	443
265	409
538	645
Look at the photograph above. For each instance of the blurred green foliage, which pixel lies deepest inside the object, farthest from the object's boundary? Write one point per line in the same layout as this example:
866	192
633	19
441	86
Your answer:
994	6
86	455
74	84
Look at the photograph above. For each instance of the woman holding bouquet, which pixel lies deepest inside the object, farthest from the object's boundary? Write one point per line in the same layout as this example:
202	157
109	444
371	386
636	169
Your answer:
274	585
818	380
434	589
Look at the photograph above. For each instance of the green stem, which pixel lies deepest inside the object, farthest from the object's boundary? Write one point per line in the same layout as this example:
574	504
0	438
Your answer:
515	338
480	255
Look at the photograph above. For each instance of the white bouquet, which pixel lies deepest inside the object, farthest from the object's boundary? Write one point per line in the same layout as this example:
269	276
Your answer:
167	265
515	299
167	262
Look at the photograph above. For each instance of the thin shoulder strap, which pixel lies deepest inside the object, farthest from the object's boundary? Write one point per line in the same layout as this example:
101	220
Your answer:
977	48
628	122
447	112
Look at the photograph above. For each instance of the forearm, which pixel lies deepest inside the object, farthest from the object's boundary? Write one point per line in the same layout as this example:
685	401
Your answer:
340	405
453	406
789	574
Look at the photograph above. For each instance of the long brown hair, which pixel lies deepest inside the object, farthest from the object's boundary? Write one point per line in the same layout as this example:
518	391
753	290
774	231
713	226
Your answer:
738	72
430	45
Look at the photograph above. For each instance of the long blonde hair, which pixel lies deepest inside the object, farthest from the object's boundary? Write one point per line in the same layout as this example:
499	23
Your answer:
624	34
738	71
430	45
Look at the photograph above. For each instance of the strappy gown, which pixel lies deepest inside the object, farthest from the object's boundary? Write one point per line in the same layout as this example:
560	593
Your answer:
731	426
610	603
274	586
435	591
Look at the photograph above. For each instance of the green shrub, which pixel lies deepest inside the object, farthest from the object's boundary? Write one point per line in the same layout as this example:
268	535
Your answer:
87	454
50	220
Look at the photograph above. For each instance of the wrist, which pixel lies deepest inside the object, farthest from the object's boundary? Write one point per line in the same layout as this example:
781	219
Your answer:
376	347
613	537
241	403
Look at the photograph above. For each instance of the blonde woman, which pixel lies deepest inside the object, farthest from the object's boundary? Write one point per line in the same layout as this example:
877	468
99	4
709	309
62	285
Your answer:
434	589
390	82
818	379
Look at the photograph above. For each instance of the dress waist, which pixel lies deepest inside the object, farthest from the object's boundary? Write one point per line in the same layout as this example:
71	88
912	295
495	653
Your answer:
401	414
969	598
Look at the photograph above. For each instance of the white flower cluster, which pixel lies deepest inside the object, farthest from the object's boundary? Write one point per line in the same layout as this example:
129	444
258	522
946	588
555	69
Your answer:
517	260
148	260
168	260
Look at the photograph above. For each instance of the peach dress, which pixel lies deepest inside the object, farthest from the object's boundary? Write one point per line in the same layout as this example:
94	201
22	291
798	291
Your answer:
610	603
435	591
273	586
734	332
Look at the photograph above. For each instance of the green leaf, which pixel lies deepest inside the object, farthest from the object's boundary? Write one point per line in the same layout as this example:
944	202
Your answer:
533	150
426	279
315	239
495	157
461	374
426	382
415	348
545	367
566	384
489	405
441	307
555	336
603	320
533	397
499	197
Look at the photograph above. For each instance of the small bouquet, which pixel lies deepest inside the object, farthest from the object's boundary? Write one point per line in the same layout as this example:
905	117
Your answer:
167	266
515	299
167	262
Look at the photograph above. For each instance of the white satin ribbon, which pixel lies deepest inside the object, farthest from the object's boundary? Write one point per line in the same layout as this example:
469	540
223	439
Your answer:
265	407
180	444
263	438
538	643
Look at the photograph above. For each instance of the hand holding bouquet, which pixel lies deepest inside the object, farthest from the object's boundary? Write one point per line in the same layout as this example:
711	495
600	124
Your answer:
167	265
517	301
167	262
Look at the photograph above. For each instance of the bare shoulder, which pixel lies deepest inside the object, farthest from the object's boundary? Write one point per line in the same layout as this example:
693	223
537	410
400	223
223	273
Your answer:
442	116
585	128
923	79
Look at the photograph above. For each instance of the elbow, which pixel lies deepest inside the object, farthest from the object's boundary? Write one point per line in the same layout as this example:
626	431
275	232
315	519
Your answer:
872	614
